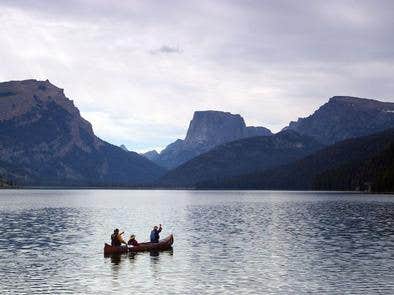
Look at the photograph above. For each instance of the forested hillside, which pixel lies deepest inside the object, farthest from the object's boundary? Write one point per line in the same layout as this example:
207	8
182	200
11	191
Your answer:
242	156
355	164
374	174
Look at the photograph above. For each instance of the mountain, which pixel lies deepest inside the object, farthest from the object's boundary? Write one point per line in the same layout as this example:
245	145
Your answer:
207	129
151	155
352	164
241	156
123	147
346	117
45	141
214	128
374	173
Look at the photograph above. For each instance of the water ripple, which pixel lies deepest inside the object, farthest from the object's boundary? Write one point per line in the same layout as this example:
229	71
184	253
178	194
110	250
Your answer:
225	242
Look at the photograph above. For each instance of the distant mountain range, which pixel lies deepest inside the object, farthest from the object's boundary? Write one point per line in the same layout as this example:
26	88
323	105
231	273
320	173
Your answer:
347	144
243	163
207	129
45	141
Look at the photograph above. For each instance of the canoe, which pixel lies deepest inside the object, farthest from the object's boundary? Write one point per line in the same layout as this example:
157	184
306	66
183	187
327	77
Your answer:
164	244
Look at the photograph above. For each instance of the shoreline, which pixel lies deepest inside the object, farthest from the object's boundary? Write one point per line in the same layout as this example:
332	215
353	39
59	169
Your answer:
185	189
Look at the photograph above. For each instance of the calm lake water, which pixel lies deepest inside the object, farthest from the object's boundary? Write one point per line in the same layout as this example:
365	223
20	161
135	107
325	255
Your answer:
236	242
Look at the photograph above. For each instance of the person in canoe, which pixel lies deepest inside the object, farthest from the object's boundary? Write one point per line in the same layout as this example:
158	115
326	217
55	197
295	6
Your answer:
132	241
116	238
155	234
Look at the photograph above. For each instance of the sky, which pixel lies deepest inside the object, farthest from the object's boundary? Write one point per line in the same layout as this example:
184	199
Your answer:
137	70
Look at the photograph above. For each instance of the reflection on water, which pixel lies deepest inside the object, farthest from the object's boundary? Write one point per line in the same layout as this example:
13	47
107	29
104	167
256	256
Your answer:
117	258
244	242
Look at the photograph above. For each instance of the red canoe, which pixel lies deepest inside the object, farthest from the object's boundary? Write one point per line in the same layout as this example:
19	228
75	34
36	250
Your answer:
164	244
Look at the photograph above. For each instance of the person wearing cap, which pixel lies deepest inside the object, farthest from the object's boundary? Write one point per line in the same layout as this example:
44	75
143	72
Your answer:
132	241
155	234
116	238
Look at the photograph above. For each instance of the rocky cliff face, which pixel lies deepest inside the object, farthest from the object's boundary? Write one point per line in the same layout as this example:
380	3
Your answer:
27	103
207	129
346	117
213	128
45	141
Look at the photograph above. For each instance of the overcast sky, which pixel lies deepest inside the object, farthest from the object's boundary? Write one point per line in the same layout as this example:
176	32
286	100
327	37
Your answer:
137	70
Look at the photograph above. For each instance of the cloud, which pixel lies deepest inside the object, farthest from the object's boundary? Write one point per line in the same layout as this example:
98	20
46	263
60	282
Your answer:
270	61
166	50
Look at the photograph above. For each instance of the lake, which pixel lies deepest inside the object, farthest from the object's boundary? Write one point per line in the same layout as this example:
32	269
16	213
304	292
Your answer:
225	242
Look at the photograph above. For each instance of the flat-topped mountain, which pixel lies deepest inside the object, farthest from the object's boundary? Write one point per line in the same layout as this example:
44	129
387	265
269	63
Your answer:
207	129
45	141
214	128
346	117
241	156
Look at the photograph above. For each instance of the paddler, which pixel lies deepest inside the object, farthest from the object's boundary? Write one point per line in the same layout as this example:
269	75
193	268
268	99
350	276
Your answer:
132	241
116	238
155	234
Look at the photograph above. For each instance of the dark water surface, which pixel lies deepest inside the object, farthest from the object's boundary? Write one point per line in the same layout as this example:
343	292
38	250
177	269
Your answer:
51	241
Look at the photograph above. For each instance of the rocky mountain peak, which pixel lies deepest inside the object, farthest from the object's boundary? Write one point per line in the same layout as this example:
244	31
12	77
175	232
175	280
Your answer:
341	98
207	129
29	101
19	97
45	141
362	103
214	127
350	99
345	117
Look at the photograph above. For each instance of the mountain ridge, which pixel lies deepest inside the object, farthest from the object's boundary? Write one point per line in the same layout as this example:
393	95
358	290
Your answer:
312	171
345	117
45	138
241	156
